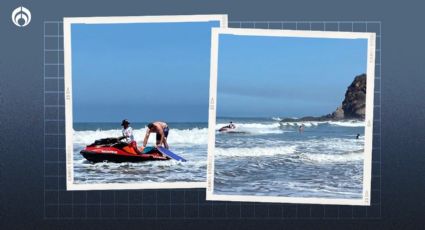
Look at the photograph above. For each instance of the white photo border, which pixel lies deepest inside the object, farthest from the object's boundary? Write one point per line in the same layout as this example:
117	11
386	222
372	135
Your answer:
67	22
370	80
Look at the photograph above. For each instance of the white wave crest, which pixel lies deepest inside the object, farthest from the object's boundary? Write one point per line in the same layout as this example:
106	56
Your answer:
194	136
255	128
349	123
331	145
254	152
335	158
276	118
305	123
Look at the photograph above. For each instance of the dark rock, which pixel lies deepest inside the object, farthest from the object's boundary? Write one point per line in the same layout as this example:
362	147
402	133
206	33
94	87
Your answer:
353	106
338	114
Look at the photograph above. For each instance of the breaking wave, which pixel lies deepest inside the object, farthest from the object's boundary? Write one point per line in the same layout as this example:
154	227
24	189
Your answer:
195	136
349	123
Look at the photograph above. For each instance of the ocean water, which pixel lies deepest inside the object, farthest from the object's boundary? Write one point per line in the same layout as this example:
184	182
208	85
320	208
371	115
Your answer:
263	157
188	140
268	158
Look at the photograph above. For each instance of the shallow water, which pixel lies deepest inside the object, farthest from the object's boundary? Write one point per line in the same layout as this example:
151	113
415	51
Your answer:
263	158
270	159
188	140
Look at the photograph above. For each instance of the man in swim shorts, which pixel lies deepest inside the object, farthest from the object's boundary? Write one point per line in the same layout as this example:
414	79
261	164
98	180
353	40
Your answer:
161	129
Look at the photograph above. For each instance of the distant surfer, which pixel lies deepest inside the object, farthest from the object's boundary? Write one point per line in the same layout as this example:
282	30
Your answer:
127	136
358	135
161	129
227	127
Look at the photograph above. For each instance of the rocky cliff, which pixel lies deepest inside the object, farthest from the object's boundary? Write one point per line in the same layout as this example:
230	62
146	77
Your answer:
352	107
354	104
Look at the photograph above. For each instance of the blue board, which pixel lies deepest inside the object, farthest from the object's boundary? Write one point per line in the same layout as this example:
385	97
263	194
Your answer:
171	154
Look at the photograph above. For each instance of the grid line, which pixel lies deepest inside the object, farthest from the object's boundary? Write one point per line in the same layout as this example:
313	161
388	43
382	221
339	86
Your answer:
174	204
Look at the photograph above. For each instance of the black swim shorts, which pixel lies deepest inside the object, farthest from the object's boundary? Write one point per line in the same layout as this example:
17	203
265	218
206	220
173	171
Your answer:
165	130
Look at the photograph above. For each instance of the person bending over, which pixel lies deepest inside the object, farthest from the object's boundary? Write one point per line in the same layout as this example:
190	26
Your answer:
161	129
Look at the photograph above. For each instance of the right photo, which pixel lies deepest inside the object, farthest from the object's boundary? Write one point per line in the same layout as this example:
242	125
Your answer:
291	116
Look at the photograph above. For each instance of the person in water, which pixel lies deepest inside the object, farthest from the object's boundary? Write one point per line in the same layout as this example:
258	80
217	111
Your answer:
161	129
358	135
301	128
127	136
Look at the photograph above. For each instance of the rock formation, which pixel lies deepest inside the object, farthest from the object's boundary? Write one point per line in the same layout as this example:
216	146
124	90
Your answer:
353	106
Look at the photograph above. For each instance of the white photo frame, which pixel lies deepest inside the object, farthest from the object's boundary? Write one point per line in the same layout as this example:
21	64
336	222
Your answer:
370	72
67	22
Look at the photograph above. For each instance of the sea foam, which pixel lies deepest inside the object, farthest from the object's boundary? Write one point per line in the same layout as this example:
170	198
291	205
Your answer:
194	136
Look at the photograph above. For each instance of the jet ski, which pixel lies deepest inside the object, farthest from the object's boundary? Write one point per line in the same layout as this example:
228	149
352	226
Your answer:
231	130
112	150
226	129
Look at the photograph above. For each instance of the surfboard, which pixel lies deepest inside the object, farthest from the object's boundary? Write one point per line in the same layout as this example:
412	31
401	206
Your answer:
171	154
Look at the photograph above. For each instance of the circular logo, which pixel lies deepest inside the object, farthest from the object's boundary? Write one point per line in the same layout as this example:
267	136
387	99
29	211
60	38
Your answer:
21	16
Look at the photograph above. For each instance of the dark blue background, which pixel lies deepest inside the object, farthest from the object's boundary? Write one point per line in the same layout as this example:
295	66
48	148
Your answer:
403	106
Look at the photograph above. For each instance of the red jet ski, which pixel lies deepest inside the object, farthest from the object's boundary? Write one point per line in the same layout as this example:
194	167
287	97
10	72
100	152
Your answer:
112	150
225	129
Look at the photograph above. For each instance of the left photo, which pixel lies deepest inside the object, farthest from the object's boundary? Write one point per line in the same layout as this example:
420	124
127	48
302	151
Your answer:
136	101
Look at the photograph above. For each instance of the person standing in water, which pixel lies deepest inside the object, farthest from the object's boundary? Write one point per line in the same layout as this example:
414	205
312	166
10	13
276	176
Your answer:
161	129
127	136
301	128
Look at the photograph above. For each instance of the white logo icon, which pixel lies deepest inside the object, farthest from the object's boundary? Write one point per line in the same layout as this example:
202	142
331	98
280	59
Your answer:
21	16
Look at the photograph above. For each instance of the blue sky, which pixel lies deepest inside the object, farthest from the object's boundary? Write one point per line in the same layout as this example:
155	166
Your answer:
261	76
141	71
